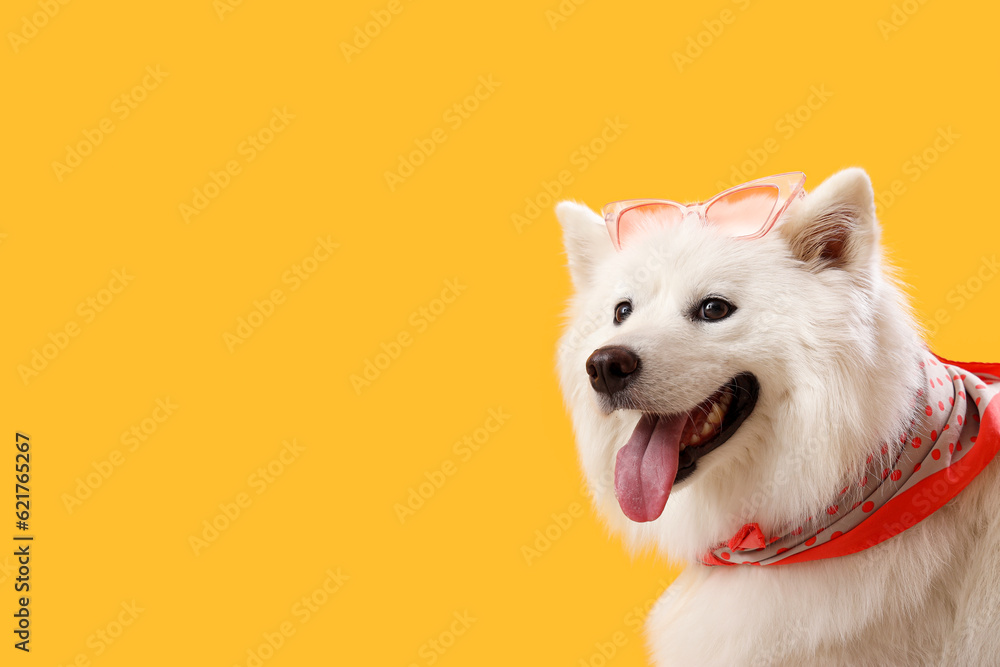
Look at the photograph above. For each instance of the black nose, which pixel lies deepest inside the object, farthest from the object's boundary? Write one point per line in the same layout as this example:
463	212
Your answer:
611	367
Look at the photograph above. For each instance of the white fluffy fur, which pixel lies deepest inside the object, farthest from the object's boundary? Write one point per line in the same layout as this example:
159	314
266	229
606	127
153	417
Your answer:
828	333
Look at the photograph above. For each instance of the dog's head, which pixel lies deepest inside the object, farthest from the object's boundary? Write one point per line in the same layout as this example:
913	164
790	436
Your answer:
715	381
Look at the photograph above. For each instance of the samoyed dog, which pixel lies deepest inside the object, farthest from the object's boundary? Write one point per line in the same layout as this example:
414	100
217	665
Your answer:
765	411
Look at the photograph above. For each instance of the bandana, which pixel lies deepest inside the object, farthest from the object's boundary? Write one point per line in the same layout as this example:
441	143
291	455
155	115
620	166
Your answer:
954	433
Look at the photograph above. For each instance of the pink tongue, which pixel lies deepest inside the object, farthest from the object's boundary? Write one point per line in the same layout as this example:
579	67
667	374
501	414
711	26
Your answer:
646	466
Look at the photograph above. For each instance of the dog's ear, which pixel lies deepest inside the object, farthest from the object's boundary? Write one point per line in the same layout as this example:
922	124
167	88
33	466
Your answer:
586	239
835	225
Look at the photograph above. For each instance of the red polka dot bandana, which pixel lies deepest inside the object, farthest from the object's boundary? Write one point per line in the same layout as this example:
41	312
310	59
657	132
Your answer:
954	433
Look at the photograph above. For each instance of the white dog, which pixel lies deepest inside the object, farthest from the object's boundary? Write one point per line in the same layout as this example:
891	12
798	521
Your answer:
765	411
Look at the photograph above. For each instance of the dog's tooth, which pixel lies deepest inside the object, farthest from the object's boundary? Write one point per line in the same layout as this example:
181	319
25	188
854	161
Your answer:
716	414
707	428
694	439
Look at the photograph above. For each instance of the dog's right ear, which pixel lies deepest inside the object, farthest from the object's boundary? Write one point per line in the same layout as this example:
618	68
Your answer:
835	226
586	239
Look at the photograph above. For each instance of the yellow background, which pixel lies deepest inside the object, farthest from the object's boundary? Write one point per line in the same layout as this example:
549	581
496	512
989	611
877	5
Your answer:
560	81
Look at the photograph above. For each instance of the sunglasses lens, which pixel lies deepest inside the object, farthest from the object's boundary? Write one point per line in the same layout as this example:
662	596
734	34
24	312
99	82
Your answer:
647	216
743	212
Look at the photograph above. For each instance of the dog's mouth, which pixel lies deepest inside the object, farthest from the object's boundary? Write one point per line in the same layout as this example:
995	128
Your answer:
664	450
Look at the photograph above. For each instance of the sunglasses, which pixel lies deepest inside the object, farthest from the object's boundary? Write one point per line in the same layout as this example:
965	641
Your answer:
745	211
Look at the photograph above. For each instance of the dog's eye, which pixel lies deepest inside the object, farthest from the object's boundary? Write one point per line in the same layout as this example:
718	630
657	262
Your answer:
715	309
622	311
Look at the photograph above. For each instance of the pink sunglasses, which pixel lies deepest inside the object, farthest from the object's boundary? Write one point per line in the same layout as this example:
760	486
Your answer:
745	211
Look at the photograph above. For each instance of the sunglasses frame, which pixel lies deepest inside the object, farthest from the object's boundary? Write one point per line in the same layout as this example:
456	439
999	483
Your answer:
789	187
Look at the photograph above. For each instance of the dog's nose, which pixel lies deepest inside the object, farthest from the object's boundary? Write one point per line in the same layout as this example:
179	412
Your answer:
611	367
